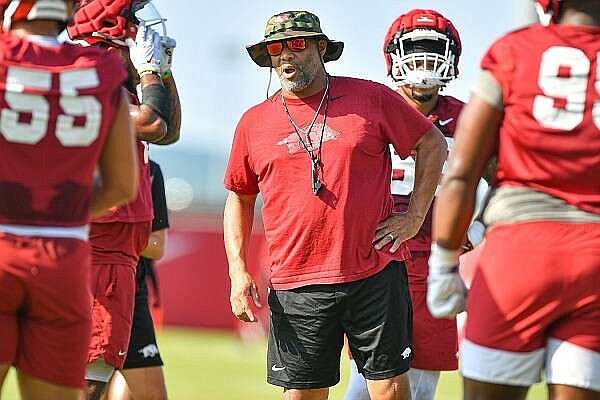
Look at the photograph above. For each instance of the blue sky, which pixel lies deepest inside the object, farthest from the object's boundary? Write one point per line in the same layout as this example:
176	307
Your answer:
218	81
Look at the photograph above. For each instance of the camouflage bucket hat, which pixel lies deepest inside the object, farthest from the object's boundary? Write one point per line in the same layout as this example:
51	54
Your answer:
291	24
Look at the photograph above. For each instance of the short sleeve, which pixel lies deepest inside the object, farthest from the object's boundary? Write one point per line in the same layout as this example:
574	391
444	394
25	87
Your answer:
159	199
239	175
402	124
499	61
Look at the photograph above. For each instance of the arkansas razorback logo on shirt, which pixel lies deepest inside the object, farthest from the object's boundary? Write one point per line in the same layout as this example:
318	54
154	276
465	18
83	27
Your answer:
293	142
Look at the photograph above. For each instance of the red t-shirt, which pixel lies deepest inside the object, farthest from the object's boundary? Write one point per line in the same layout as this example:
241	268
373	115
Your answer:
444	116
550	137
58	104
139	210
325	238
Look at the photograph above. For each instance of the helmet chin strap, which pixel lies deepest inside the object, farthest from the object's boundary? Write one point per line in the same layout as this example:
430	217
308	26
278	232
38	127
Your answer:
420	79
419	85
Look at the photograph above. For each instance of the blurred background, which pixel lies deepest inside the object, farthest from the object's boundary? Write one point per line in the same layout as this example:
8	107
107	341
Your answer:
208	355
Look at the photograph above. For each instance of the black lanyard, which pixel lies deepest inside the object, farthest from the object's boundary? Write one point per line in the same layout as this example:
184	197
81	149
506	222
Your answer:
316	166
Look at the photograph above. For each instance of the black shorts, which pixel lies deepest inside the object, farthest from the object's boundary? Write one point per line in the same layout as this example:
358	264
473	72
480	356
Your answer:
143	349
308	324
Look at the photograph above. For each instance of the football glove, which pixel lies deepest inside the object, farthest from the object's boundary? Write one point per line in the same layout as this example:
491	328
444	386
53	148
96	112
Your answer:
145	51
446	292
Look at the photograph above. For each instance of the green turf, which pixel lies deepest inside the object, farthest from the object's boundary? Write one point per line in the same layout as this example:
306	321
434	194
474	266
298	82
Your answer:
204	365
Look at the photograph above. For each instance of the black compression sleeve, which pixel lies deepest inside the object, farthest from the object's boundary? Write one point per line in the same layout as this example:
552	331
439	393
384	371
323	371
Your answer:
156	97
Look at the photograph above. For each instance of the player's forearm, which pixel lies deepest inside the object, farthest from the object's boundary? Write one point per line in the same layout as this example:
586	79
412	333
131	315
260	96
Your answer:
174	124
430	157
148	125
476	142
150	118
453	212
238	218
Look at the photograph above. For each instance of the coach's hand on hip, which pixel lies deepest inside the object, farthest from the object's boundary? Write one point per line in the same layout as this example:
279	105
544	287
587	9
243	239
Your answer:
243	287
397	229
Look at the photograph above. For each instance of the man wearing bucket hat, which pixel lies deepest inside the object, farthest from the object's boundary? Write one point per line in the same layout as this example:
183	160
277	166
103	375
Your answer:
318	151
284	26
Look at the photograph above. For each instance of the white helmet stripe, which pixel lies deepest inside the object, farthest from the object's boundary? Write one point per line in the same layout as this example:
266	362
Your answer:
42	9
49	9
8	14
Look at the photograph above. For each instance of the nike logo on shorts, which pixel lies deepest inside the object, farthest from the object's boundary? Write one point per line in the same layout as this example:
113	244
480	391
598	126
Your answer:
446	121
275	368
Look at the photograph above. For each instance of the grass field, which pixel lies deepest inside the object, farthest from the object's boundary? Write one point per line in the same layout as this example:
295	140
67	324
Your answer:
203	365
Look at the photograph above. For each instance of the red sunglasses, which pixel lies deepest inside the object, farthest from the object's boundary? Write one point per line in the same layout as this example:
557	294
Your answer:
296	45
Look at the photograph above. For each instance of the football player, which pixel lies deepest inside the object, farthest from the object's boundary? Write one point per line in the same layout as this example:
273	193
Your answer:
534	302
119	237
422	49
63	114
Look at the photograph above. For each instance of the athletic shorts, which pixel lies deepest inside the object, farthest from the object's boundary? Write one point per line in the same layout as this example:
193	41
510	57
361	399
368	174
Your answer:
113	289
534	303
143	349
44	307
435	341
308	324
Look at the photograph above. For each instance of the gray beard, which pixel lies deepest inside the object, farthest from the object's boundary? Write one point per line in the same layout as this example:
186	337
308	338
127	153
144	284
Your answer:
298	85
306	76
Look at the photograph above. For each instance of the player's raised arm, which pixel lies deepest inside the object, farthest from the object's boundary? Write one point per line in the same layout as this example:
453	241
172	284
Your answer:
158	118
167	46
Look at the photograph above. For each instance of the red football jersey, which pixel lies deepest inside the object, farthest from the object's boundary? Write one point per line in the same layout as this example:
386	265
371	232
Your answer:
57	105
327	238
550	134
444	116
139	210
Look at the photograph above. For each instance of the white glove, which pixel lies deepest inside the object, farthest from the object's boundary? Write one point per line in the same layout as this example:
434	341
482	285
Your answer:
446	292
145	52
167	45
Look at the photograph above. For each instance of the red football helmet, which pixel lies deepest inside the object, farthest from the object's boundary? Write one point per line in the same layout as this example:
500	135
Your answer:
27	10
548	10
108	21
422	48
112	21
